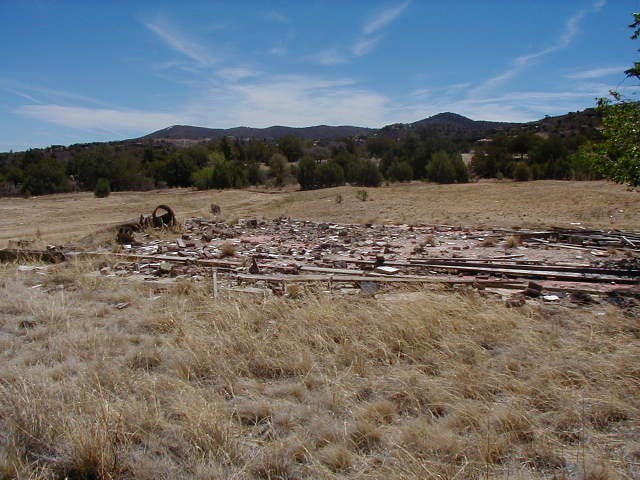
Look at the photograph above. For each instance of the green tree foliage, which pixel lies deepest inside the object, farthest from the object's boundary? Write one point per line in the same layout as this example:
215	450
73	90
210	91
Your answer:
123	168
330	174
549	159
103	188
255	176
522	172
379	145
258	151
231	149
43	174
203	178
399	171
366	174
544	157
178	169
91	163
311	174
306	174
447	168
416	149
291	147
219	172
621	146
620	161
583	164
278	169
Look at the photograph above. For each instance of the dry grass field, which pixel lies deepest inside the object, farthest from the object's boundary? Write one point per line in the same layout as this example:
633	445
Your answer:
435	384
66	217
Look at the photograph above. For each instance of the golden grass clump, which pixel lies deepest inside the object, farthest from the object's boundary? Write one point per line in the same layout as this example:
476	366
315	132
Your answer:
227	249
514	241
181	385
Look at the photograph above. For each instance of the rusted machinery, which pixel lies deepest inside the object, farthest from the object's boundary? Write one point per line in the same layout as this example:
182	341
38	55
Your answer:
162	217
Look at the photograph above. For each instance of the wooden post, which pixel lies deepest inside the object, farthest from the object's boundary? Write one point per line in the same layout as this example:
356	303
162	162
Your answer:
215	283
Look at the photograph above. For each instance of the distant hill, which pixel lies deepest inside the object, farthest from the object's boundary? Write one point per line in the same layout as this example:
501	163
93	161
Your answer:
319	132
453	122
586	123
447	124
451	125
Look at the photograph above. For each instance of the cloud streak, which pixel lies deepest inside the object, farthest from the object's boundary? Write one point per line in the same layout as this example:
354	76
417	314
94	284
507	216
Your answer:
523	62
596	73
365	45
98	118
383	18
17	93
181	44
371	29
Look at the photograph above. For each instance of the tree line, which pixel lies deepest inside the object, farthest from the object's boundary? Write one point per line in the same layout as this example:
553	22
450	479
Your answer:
419	154
230	163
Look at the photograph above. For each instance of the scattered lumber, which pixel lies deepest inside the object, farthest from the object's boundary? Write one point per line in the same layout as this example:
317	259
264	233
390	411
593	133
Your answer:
280	251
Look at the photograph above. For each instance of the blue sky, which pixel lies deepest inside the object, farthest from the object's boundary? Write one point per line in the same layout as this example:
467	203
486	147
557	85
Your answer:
83	71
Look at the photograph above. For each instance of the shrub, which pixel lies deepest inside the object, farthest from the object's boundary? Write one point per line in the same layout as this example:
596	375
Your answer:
330	174
366	174
522	172
103	188
362	195
202	178
446	168
306	173
400	172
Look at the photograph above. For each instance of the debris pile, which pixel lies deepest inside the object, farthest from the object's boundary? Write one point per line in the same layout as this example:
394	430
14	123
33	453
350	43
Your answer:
272	255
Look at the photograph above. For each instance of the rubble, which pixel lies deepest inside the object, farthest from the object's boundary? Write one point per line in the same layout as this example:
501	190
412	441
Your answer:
271	255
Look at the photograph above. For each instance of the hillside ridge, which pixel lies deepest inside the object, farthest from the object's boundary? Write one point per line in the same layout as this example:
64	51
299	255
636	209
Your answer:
446	123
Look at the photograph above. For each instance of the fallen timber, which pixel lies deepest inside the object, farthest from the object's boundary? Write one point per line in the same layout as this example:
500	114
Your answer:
553	272
284	278
529	268
489	266
283	250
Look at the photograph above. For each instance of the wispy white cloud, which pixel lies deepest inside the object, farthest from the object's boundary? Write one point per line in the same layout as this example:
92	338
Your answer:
294	100
599	4
519	106
98	118
372	27
40	94
234	74
178	42
523	62
365	45
18	93
596	73
329	56
382	18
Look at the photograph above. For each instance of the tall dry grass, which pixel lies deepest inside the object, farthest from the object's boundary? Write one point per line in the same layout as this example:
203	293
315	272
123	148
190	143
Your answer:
442	385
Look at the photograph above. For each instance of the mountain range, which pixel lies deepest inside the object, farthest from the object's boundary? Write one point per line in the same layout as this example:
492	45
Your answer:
447	124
